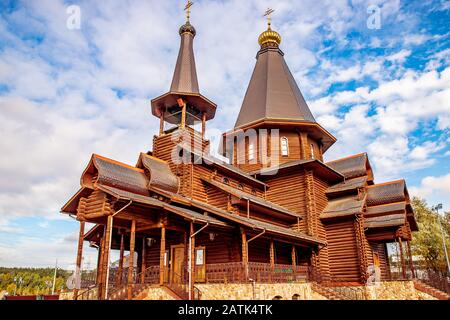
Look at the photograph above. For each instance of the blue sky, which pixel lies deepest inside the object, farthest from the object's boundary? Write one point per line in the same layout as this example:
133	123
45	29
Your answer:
67	93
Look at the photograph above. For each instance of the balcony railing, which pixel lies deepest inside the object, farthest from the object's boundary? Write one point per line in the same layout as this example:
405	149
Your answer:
235	272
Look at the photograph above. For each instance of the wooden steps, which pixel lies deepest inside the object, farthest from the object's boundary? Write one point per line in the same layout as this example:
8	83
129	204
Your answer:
423	287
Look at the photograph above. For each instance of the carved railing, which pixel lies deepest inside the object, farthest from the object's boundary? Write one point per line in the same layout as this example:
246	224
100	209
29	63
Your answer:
140	282
90	293
434	279
235	272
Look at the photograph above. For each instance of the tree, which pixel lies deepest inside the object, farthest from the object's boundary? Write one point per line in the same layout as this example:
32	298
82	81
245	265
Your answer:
427	242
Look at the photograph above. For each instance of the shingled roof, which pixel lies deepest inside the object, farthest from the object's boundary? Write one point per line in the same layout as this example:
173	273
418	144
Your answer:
343	207
354	166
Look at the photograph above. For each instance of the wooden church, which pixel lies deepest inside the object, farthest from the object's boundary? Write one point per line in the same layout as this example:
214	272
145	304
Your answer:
274	213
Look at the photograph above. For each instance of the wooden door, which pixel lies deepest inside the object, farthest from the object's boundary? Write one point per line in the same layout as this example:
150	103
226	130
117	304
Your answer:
177	263
200	264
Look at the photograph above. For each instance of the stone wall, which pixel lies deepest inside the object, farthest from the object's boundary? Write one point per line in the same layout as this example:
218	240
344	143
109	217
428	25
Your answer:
386	290
286	291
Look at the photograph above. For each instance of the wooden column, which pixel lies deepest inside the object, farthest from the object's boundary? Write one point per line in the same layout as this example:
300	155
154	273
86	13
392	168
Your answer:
203	125
162	252
143	266
272	254
192	260
161	123
105	261
294	258
244	254
131	260
100	265
411	264
182	104
79	258
122	251
402	258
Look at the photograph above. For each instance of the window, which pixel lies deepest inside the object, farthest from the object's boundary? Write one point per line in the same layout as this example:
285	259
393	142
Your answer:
251	152
296	297
312	151
284	146
199	256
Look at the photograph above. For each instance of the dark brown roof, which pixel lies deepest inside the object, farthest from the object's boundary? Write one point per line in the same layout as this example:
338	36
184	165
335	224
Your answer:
386	221
257	224
397	207
353	166
386	193
185	213
247	196
343	207
185	74
119	175
208	159
160	175
348	185
184	84
272	92
318	166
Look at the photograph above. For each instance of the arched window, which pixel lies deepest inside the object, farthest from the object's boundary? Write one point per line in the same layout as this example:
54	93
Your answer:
296	297
251	151
226	181
277	298
284	146
312	151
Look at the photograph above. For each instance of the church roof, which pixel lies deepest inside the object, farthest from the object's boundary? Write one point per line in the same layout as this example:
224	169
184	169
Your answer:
184	82
353	166
273	92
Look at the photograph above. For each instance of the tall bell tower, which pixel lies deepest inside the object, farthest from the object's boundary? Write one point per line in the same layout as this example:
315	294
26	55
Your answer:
183	105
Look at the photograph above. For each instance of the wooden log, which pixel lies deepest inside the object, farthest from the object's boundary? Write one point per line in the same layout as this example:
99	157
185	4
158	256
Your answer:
122	251
143	267
131	260
162	252
402	259
107	248
79	257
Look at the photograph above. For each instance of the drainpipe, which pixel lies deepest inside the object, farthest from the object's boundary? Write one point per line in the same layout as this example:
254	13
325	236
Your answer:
248	241
109	247
190	257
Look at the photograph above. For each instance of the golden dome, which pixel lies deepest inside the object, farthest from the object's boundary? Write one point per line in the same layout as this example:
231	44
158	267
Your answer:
269	38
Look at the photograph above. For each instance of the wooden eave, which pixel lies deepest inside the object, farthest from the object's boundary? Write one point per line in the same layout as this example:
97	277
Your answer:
208	160
319	168
71	206
253	199
155	203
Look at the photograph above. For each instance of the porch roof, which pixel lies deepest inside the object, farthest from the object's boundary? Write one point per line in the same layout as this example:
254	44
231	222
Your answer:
247	196
392	220
348	185
183	212
343	207
257	224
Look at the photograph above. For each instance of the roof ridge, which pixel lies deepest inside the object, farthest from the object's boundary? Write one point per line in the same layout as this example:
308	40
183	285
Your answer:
94	156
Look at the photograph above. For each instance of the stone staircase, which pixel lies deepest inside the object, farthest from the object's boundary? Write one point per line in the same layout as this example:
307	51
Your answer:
327	292
423	287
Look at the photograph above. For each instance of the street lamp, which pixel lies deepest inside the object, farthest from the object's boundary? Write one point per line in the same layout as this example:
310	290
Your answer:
436	208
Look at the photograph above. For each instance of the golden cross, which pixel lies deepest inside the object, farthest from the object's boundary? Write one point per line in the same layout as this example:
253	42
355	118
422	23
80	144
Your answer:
188	9
267	14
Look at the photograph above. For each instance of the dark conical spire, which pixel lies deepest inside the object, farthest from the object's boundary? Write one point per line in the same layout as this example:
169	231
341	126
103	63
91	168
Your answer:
185	75
184	84
273	92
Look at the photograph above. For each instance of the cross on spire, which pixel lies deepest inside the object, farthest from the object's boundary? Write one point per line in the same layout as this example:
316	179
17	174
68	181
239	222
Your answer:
268	14
187	8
